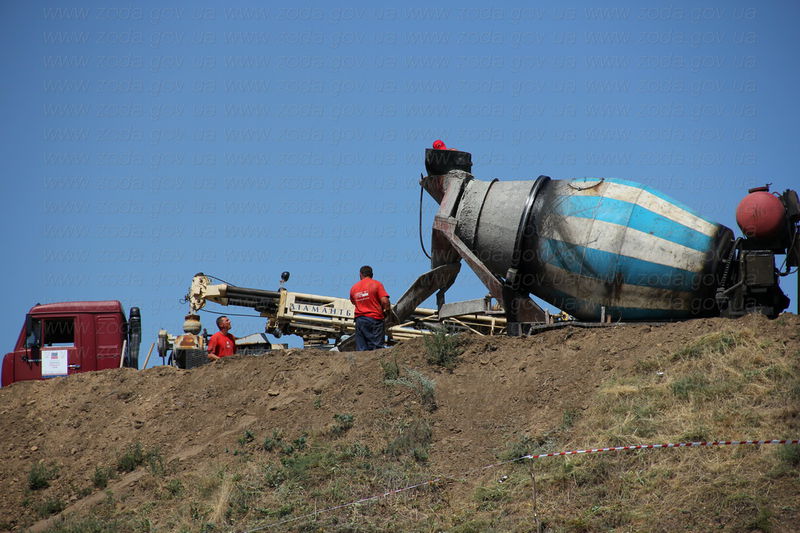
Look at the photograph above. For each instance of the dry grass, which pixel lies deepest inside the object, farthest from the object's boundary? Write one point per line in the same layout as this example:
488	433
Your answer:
223	498
723	386
726	385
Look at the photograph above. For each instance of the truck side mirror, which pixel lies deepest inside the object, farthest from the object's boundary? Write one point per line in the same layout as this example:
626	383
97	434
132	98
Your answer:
33	328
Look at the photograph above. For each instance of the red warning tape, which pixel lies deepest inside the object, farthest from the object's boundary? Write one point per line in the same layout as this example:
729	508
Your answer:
667	445
556	454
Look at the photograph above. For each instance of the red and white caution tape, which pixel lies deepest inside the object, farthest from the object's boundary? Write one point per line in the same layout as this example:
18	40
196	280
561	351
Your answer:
539	456
667	445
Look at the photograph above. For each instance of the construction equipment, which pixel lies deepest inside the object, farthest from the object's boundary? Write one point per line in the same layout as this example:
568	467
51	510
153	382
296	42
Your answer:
601	249
65	338
321	321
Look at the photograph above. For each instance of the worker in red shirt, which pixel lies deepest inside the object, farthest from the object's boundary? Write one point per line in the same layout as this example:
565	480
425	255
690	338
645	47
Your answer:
221	344
372	307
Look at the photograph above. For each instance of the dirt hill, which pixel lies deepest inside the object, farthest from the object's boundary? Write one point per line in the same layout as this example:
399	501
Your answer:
266	441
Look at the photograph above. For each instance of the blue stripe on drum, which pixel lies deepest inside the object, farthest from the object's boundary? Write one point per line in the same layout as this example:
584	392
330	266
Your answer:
605	266
654	192
633	216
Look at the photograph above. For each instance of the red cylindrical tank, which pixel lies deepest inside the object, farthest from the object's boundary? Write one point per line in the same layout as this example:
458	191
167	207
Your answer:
760	215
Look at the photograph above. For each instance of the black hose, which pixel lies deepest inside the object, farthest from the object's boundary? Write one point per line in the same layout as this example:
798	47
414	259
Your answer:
421	242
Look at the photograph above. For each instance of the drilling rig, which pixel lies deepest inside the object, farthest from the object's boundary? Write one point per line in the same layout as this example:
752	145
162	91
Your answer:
321	321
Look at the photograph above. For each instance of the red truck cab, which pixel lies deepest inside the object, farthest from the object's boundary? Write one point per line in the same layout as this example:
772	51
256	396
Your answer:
71	337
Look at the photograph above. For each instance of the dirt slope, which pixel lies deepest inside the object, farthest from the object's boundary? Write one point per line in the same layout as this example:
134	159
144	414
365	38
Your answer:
501	389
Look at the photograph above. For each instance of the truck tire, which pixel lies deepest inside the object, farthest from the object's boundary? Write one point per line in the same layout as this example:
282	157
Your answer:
134	338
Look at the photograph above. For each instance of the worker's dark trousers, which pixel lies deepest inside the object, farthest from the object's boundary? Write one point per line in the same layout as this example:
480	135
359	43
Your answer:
369	333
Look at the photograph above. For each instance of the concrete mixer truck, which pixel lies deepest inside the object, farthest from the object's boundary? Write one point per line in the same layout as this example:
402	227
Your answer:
602	249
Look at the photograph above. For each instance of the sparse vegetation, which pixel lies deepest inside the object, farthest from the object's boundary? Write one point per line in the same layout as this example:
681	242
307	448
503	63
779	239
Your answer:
414	438
391	370
569	417
131	458
425	387
155	462
300	442
648	365
695	384
40	476
270	443
49	507
101	477
174	488
357	449
443	348
135	455
247	437
527	445
343	423
287	448
714	343
89	525
490	497
790	455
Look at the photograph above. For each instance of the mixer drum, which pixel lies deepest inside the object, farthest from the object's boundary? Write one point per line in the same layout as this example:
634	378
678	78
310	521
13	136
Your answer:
583	244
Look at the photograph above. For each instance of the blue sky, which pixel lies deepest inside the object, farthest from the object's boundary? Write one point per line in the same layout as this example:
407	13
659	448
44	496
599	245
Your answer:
144	144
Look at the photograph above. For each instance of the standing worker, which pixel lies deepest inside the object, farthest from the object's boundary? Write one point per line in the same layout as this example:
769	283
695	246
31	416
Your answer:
222	343
372	307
